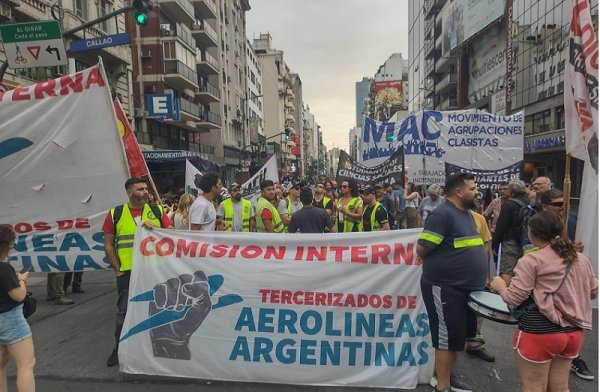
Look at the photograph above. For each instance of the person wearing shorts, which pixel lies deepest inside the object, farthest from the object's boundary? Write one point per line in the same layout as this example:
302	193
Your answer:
555	286
15	335
454	264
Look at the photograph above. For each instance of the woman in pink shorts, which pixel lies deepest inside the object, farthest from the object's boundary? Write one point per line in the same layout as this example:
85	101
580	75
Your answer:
554	285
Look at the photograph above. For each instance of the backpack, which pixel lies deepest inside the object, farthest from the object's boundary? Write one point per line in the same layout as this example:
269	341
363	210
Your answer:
526	211
153	207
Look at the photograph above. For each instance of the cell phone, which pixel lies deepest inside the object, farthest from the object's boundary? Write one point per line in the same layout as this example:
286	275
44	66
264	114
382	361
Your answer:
25	269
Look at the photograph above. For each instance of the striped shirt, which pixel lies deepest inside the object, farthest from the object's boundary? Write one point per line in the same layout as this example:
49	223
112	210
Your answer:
533	321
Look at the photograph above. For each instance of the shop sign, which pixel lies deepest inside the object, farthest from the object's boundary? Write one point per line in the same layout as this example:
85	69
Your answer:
548	142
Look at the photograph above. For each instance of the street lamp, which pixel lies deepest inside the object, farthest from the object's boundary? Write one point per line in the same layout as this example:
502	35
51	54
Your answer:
244	110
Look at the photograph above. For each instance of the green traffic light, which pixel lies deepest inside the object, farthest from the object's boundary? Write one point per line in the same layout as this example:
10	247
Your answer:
141	18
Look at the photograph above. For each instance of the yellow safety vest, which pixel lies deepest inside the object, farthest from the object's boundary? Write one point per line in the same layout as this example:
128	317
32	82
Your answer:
261	204
349	222
125	231
246	213
375	226
325	201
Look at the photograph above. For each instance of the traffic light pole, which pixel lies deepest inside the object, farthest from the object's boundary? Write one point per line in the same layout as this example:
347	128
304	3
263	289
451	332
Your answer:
91	23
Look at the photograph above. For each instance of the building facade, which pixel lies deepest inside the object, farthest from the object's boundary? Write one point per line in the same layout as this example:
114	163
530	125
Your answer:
361	93
388	91
279	107
501	56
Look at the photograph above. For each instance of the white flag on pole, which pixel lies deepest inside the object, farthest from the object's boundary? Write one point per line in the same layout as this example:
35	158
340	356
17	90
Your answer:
191	173
581	119
251	188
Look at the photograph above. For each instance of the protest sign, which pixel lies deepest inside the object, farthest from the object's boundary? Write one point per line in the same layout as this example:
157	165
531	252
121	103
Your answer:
489	178
389	170
311	310
269	171
62	167
472	139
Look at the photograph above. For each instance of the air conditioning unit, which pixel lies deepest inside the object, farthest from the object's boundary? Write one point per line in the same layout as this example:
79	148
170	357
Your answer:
146	54
238	112
229	79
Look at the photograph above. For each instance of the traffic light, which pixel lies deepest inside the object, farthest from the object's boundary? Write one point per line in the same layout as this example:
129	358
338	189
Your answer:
287	134
142	9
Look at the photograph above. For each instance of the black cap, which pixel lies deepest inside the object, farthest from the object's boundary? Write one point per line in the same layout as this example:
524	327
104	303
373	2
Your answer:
368	190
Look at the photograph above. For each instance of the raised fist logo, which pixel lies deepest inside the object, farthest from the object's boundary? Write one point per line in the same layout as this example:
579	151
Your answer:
176	310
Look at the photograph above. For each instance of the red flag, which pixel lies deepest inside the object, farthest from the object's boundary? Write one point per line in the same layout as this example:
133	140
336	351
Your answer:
135	159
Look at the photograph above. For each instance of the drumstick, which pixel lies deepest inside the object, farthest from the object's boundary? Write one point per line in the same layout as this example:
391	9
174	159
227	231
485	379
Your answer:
498	262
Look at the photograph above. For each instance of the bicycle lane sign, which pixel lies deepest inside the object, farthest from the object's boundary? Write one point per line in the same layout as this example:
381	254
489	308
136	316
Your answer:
33	44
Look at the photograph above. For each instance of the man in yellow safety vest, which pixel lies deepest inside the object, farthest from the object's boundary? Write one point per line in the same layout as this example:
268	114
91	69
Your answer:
375	216
119	229
236	212
267	217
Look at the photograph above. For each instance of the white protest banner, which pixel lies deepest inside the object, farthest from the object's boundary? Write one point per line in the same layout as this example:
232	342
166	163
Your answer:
191	173
62	168
472	139
313	310
269	171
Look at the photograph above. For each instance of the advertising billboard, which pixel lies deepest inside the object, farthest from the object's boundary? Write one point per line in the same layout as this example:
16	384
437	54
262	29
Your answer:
387	94
461	19
487	65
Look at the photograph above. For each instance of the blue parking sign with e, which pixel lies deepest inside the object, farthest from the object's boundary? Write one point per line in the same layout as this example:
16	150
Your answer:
160	105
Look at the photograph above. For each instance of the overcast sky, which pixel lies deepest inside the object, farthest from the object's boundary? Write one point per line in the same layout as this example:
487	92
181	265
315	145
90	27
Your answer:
332	44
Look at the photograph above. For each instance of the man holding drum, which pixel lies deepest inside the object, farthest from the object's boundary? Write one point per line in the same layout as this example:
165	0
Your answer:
454	264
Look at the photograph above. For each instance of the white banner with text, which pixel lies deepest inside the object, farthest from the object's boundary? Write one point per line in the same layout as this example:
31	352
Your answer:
340	309
62	167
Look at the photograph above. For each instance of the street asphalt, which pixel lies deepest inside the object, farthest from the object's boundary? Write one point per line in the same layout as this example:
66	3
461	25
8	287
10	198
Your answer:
73	342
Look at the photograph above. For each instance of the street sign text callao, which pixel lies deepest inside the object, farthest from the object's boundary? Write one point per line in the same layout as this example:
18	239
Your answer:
100	42
33	44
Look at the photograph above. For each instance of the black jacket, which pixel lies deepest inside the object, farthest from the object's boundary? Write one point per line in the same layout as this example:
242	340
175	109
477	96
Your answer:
508	221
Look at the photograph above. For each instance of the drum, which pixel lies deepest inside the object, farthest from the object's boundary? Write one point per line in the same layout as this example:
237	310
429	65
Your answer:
490	306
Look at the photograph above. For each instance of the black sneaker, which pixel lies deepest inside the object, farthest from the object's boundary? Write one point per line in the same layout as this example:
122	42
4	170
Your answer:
113	360
579	367
455	384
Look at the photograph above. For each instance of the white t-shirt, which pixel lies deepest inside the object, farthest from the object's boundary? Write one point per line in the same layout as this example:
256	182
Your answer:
203	213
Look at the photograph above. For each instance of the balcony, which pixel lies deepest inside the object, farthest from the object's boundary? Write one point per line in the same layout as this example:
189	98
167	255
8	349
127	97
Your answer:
429	28
177	30
429	87
190	111
448	83
182	10
206	64
429	68
206	8
208	120
429	46
205	35
208	93
289	117
448	104
446	63
179	75
427	9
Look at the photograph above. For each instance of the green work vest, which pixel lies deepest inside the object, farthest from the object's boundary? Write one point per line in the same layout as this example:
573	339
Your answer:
375	226
261	204
349	222
125	231
246	213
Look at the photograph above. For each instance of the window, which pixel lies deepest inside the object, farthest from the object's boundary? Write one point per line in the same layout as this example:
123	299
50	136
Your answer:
103	9
169	50
80	8
560	117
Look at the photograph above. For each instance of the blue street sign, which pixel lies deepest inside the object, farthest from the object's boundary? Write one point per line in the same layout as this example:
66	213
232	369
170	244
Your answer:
100	42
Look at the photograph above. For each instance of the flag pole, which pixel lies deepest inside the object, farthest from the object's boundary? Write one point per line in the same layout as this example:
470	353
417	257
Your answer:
566	195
